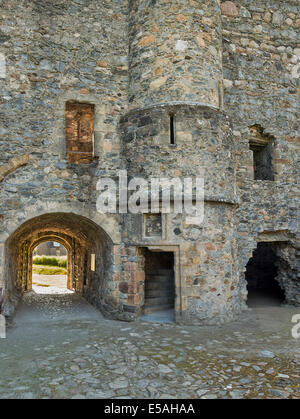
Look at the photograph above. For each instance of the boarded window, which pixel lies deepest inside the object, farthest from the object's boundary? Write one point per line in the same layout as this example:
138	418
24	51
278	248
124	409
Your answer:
79	132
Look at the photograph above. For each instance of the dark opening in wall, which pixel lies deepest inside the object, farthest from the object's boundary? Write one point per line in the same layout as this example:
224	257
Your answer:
159	281
172	129
79	132
261	273
262	146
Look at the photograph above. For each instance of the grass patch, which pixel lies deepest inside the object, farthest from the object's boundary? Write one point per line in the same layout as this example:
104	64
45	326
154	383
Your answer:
50	261
48	270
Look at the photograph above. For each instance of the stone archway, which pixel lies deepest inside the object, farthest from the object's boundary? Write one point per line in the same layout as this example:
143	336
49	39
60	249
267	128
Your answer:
87	245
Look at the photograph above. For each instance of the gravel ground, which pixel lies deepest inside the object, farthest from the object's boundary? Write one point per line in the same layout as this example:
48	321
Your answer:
61	347
46	284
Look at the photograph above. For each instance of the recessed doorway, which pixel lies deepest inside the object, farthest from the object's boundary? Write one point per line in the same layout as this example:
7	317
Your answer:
159	285
261	273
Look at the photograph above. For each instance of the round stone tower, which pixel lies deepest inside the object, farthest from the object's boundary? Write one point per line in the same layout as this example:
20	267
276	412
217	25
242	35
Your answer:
175	52
176	128
175	94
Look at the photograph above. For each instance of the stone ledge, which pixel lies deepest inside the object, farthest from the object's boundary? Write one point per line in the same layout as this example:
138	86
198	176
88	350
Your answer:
174	104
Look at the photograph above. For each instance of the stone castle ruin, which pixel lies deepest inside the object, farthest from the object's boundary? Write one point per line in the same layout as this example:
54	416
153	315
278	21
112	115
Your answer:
159	88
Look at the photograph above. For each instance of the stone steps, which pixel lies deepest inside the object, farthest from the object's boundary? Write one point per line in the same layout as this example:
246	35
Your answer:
159	290
154	301
164	272
153	309
159	293
159	278
157	285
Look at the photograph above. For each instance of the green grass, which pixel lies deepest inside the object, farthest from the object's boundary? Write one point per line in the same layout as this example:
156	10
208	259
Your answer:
48	270
50	261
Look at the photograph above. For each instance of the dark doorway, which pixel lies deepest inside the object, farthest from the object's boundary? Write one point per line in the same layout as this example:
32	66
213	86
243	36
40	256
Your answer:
261	272
159	281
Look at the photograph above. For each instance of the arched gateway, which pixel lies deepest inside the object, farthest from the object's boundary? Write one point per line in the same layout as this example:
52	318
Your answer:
90	256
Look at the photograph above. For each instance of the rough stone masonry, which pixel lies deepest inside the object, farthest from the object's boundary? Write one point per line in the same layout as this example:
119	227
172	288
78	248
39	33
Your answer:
91	87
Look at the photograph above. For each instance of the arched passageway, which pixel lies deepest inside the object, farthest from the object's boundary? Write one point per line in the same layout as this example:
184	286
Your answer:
89	251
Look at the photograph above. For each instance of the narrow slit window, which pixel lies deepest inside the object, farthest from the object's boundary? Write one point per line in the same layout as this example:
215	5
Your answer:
172	129
221	97
79	132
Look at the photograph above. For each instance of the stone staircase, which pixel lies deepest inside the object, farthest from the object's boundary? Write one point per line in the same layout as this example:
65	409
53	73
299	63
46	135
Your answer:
159	291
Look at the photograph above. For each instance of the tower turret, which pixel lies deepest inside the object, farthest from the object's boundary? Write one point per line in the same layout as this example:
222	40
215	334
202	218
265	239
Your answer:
176	128
175	52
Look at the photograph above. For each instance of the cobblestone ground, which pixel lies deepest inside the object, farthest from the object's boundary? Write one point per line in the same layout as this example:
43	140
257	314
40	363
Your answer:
61	347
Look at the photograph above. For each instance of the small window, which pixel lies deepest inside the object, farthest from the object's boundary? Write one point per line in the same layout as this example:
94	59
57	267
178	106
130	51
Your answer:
79	132
262	146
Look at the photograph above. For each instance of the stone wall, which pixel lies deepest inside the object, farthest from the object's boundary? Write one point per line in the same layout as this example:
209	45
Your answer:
261	59
55	52
138	63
